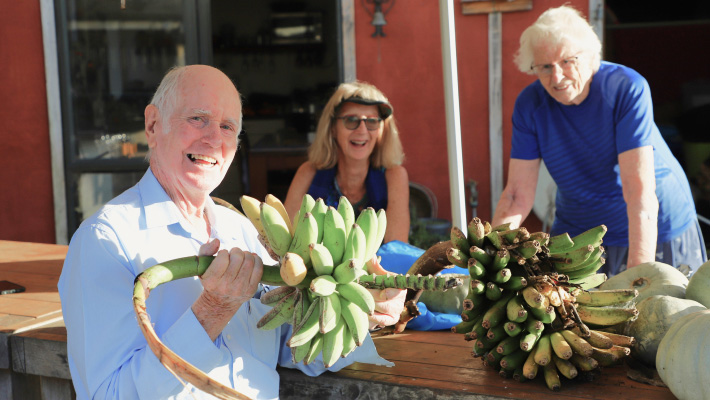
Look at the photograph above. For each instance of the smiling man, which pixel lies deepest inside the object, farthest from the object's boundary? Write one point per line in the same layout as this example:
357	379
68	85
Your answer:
192	126
592	123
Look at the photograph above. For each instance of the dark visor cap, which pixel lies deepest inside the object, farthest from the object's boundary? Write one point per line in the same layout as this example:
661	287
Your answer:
385	107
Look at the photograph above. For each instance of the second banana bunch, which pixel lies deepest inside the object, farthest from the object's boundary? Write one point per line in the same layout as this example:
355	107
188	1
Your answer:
529	309
322	257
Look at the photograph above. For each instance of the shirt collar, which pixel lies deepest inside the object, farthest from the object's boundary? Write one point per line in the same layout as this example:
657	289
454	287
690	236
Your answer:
159	208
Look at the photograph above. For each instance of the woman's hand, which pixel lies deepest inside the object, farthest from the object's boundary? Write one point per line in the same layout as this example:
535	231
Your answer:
389	303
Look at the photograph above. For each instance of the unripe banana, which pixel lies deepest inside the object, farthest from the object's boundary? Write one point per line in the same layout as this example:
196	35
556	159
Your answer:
493	291
319	209
584	363
274	201
273	296
534	325
512	328
534	298
604	297
345	209
347	271
560	243
458	239
252	210
334	234
323	285
546	315
367	221
592	237
514	360
566	368
307	203
333	344
480	255
560	346
497	333
381	228
618	339
515	283
293	269
500	260
530	367
569	261
496	314
589	269
309	326
543	350
321	259
501	276
306	234
277	232
476	232
590	281
476	269
605	315
609	357
495	239
356	319
330	312
508	345
552	379
529	339
349	344
280	314
315	349
357	295
578	344
457	257
595	338
529	248
515	310
477	287
356	245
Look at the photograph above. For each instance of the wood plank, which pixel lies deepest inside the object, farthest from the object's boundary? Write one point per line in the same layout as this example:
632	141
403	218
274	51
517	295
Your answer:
484	7
24	251
30	308
46	358
33	283
34	323
35	267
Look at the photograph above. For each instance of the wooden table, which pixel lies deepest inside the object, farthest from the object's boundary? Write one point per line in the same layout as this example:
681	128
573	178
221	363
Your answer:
428	365
24	364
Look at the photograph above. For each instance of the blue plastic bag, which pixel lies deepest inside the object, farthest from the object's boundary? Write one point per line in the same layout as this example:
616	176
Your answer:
398	257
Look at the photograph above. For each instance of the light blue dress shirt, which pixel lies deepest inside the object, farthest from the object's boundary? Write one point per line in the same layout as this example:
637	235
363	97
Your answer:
108	354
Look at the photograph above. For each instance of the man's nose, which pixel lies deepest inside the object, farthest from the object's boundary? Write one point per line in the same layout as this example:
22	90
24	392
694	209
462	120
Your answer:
212	134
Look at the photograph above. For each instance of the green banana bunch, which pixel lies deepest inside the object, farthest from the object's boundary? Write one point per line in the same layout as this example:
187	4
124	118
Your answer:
529	307
322	259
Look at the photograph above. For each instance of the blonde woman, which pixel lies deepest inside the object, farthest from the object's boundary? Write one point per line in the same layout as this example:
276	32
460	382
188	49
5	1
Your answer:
357	154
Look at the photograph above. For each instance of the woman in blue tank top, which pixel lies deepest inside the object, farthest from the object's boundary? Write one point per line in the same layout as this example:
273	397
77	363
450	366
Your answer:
591	122
357	154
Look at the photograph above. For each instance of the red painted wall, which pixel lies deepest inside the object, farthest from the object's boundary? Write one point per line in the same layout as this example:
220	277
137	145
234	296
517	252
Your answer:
407	66
26	205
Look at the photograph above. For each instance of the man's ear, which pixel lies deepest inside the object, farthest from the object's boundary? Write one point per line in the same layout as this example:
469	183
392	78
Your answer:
152	117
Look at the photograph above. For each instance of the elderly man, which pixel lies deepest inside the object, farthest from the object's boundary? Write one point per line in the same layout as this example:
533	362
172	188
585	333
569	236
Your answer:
192	126
592	123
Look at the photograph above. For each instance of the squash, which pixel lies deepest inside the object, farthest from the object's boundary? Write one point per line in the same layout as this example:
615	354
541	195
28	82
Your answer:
699	285
650	279
656	315
449	301
683	358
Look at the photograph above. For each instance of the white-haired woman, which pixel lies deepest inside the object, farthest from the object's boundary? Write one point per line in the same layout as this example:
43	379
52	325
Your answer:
592	123
357	154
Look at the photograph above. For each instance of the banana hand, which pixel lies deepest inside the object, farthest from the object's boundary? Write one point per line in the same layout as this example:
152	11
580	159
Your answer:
389	303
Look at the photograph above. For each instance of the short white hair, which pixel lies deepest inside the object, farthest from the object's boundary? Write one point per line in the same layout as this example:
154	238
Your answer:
556	26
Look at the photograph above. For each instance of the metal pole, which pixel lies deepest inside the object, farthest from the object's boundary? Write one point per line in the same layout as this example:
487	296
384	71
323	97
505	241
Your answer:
495	104
453	123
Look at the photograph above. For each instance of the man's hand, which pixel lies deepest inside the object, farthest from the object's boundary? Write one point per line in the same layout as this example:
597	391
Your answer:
389	303
231	280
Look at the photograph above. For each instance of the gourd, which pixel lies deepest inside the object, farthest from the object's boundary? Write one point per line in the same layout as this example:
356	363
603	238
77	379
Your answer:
683	358
656	315
699	285
449	301
651	278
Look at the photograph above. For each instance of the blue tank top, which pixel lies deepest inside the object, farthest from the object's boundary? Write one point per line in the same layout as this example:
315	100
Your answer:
325	187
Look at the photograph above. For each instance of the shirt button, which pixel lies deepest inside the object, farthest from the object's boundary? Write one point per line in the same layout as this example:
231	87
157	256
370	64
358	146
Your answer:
229	337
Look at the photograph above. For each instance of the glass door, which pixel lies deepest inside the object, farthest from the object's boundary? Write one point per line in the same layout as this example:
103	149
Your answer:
110	62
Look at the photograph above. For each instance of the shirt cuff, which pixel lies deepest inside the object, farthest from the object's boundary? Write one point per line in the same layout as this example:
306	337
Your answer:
188	339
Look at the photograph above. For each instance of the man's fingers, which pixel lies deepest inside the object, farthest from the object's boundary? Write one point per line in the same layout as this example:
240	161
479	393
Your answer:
209	248
374	267
218	265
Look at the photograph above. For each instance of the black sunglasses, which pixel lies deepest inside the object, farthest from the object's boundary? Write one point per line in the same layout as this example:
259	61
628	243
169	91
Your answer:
352	122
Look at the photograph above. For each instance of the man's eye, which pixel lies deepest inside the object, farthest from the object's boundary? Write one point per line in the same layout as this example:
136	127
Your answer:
228	127
352	118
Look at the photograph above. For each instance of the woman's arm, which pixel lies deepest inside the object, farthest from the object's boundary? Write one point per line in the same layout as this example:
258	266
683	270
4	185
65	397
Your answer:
397	204
518	197
638	183
299	187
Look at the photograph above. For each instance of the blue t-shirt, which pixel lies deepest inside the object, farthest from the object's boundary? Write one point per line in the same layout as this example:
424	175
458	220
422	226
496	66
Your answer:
325	186
580	145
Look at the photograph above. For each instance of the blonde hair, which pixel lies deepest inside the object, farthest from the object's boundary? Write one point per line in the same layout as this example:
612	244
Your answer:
323	152
556	26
